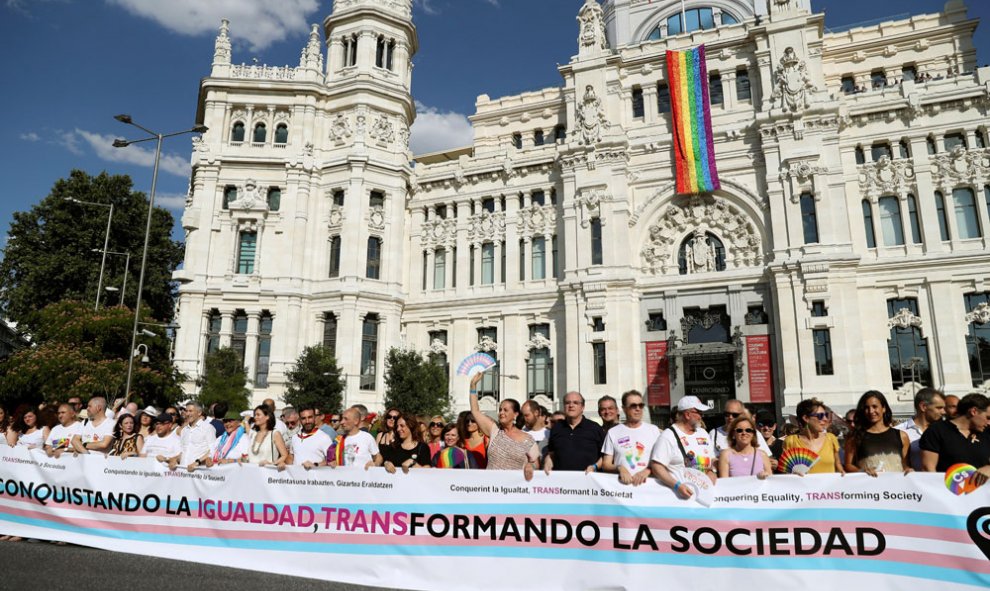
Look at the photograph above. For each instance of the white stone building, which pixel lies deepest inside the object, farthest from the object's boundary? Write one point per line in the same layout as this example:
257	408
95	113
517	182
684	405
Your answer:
848	248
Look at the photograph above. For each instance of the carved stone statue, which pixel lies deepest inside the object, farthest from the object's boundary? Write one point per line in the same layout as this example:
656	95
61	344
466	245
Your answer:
591	117
221	47
701	254
792	84
592	21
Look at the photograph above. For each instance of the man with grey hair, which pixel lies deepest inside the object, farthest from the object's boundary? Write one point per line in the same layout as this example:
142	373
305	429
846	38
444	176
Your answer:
354	447
196	440
732	410
290	418
97	432
929	407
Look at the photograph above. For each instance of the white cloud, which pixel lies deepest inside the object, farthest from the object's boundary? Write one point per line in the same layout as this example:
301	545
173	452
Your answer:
69	141
173	201
434	130
258	22
30	137
139	155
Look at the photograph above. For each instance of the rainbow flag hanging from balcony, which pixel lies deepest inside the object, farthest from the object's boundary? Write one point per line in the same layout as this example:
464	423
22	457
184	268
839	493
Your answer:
694	152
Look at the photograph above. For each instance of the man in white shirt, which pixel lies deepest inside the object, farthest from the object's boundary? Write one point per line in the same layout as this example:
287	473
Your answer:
60	437
720	440
310	444
628	446
97	433
197	439
683	445
534	422
929	407
354	447
162	445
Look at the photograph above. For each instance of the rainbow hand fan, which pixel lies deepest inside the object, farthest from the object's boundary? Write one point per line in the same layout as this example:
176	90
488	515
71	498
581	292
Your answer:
474	364
796	460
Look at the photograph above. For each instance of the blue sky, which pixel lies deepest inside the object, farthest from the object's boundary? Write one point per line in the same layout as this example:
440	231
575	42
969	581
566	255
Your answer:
70	65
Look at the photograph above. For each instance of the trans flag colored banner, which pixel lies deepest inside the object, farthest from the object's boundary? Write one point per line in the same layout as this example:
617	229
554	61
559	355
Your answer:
465	529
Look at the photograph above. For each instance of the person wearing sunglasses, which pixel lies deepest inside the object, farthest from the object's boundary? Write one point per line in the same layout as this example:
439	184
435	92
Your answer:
387	435
733	410
628	445
434	434
766	426
473	440
811	417
743	457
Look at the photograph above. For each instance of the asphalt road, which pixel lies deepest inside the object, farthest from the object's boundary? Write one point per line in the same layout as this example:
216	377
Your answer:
43	566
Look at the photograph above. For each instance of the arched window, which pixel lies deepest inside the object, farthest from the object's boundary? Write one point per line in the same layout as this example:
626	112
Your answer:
728	19
701	253
274	198
891	225
696	19
260	133
906	347
871	235
282	134
967	217
237	132
559	134
538	137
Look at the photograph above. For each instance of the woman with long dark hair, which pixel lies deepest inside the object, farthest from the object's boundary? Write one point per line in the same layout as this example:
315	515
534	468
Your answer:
474	441
127	442
389	422
874	445
25	430
267	445
407	450
509	448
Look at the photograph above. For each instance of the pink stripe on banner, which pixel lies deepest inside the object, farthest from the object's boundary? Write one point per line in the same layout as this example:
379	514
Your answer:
360	539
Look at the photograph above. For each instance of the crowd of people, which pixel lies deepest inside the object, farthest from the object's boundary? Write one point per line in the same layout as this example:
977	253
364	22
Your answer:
944	431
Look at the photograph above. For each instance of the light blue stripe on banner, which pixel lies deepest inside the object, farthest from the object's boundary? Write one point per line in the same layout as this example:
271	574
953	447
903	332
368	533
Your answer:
735	514
944	574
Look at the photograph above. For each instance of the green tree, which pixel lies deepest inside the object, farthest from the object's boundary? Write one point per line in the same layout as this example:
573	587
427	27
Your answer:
415	384
224	380
79	352
49	254
315	380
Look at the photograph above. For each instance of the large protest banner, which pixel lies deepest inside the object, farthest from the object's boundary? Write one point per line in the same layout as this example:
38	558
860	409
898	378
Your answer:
471	529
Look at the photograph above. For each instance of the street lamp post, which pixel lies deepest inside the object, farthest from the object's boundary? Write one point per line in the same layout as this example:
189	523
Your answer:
127	267
120	143
106	244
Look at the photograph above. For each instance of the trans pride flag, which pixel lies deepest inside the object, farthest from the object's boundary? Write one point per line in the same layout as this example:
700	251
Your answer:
694	153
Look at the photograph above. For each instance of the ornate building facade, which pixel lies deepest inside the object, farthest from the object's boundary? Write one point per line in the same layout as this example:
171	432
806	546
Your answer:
848	247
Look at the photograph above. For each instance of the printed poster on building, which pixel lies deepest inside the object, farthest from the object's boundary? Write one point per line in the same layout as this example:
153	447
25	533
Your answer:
657	374
758	364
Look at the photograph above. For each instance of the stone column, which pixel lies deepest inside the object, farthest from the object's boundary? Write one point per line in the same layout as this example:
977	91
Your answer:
251	345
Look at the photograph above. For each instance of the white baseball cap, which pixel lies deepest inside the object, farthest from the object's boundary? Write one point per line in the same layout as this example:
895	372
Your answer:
689	402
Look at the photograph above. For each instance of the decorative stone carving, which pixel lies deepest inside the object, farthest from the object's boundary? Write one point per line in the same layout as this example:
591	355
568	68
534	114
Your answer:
537	220
312	55
383	130
979	315
439	233
335	218
591	118
401	7
486	345
800	175
376	218
590	201
263	72
248	197
700	253
486	227
961	166
706	318
538	342
438	347
221	47
792	84
199	145
904	318
592	21
885	177
743	243
340	129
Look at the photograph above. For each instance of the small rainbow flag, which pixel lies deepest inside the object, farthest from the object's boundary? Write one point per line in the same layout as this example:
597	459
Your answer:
694	152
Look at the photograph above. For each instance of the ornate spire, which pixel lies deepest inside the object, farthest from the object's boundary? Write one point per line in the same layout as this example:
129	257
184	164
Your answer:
221	48
312	54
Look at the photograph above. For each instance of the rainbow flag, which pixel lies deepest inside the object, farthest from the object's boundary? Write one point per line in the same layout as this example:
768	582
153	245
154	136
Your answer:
694	152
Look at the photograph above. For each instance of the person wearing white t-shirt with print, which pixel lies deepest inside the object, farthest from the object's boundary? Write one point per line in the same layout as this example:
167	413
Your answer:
310	444
96	433
353	446
163	445
683	445
60	437
628	446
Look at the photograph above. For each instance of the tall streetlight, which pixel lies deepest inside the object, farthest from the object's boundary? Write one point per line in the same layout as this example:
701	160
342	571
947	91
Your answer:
106	244
120	143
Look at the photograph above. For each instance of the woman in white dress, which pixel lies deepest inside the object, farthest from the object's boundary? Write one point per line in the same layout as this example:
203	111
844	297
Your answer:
25	430
267	445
